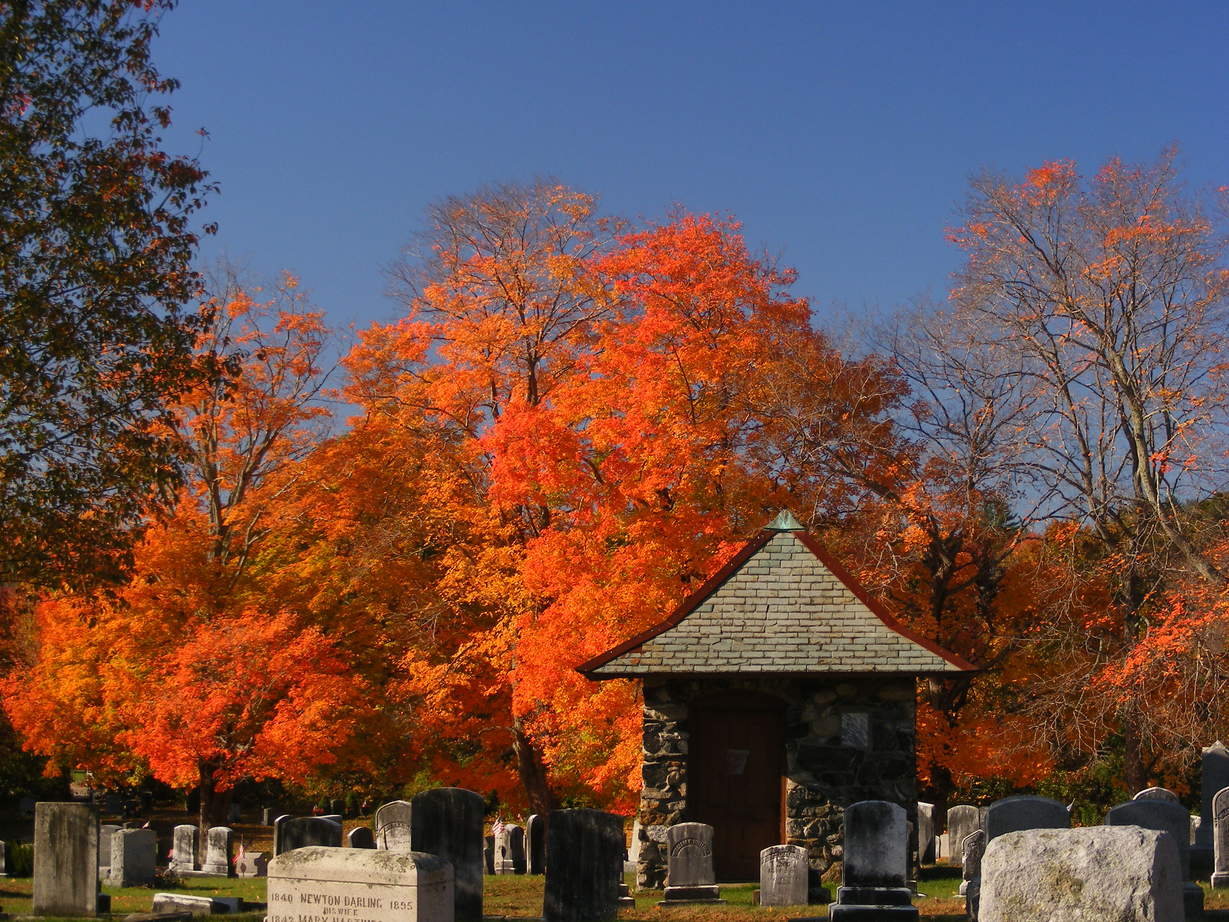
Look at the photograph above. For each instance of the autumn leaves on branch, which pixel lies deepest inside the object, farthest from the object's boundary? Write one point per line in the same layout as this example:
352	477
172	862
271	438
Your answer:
576	417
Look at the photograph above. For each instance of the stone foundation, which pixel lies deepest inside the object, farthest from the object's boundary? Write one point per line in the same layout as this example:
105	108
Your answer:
846	739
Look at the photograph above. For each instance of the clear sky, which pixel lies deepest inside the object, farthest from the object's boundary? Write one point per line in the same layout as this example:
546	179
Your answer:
842	134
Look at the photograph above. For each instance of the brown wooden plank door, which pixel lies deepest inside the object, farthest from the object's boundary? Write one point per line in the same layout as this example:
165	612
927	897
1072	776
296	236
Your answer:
737	755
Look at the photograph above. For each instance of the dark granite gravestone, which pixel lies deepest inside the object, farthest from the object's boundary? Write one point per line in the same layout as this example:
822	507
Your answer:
361	837
1164	816
392	826
65	860
448	822
516	848
875	872
1214	775
584	866
1012	814
1155	793
784	875
291	832
535	844
689	864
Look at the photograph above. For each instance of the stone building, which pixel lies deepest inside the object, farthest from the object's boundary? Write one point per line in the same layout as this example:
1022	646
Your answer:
775	696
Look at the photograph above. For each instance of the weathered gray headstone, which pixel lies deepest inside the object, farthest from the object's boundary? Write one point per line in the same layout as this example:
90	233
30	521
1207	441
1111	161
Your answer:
1013	814
448	822
925	833
105	832
535	844
134	855
218	851
962	819
359	884
392	826
1214	775
3	860
291	832
584	866
689	864
1196	824
875	868
784	872
971	851
268	815
504	864
183	848
251	864
361	837
1155	793
1091	874
65	859
1219	821
185	902
1169	817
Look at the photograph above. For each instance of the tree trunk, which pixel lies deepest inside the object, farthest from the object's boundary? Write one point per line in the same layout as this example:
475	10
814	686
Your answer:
1133	769
214	807
532	772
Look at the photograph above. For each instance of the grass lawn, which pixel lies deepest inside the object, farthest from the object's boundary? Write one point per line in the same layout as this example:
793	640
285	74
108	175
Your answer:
521	897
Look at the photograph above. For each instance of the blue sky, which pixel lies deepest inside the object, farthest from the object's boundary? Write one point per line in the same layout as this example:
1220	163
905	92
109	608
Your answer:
841	134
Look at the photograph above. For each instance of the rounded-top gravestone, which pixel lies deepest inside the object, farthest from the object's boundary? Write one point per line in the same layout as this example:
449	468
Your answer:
448	822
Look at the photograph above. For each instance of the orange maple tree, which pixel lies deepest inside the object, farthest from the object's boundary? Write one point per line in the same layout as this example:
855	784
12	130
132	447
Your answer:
191	669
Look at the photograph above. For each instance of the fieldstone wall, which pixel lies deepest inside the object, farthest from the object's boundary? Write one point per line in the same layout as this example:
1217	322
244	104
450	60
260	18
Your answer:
847	739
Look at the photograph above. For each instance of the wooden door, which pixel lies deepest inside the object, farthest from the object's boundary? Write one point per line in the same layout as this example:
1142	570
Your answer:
735	779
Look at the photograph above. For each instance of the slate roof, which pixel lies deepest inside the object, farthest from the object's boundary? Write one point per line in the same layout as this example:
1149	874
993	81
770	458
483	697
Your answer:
782	605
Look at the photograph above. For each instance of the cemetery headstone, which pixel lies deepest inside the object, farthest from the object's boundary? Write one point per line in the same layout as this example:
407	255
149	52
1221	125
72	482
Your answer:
1013	814
251	864
971	851
218	851
689	864
1155	793
105	831
488	854
584	866
1196	825
535	844
365	885
181	903
784	873
962	819
1164	816
3	861
361	837
925	833
633	850
1220	838
65	859
392	826
875	868
448	822
268	815
134	854
516	848
235	815
183	848
503	847
1214	775
291	832
1093	873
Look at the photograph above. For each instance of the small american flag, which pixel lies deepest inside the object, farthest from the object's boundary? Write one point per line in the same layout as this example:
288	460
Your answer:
497	827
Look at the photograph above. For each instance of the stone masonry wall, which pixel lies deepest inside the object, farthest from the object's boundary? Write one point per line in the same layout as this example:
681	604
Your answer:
847	739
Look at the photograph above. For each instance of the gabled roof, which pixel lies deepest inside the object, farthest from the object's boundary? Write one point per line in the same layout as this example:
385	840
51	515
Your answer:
781	605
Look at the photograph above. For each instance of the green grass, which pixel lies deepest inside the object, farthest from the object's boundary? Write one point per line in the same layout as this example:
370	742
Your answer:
520	896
